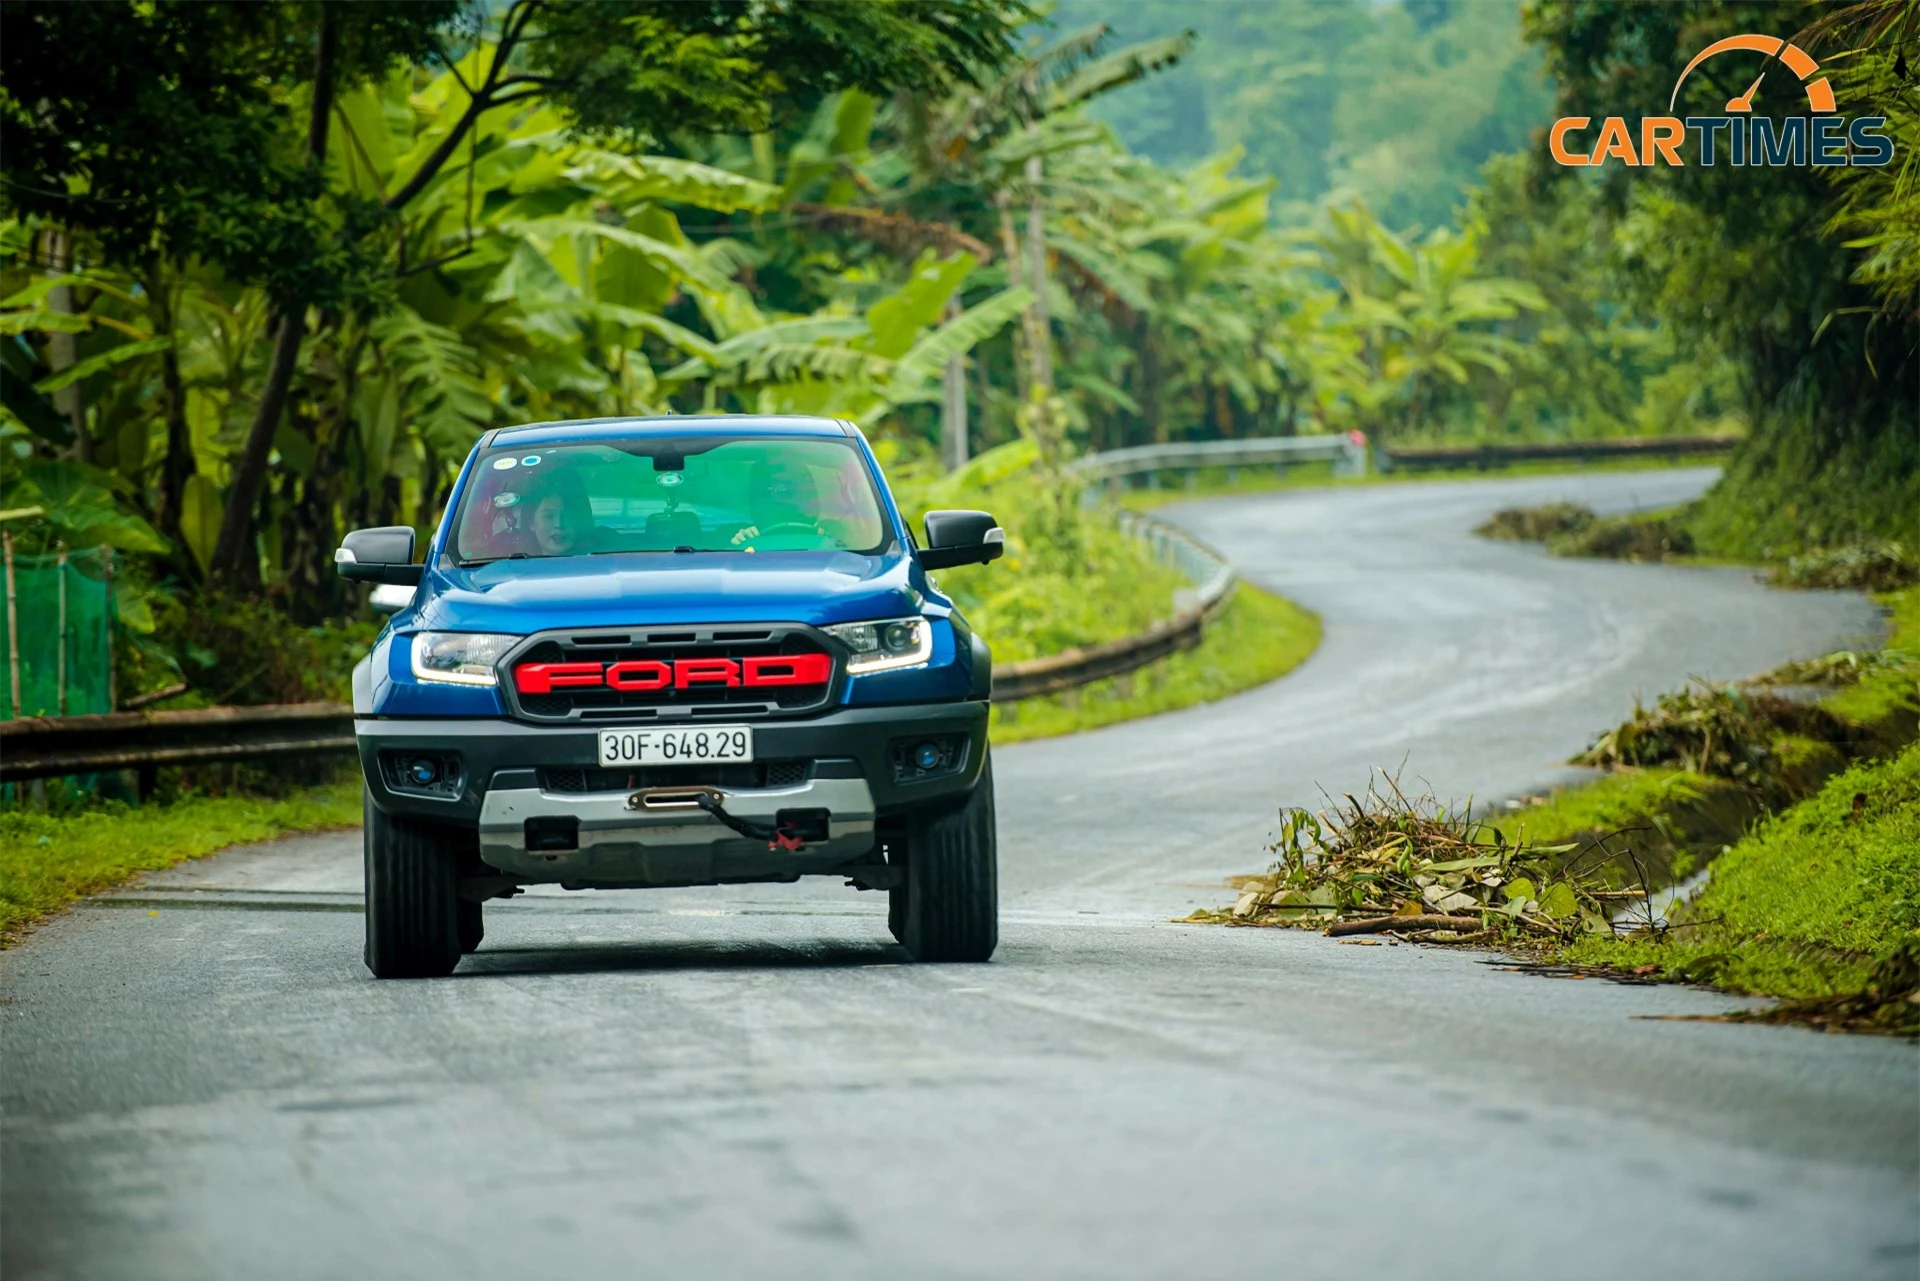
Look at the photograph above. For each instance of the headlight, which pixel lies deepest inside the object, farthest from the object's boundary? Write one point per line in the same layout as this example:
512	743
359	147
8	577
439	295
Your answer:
886	645
461	658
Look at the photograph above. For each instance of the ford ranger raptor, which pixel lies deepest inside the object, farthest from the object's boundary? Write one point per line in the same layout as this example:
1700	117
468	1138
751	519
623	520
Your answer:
649	652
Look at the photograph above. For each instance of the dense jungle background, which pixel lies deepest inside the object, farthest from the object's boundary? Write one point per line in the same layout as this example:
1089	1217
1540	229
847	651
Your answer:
269	270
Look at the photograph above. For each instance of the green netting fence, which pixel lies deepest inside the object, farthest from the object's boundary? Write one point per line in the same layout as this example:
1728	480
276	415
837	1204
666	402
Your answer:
57	644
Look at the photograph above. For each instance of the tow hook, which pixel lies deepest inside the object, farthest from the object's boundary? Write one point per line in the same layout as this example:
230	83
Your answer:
790	829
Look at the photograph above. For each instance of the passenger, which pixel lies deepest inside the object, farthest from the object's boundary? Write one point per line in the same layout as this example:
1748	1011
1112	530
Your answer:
846	507
562	519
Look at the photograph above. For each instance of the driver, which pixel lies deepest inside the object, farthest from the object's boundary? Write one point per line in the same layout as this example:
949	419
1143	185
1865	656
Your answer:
784	498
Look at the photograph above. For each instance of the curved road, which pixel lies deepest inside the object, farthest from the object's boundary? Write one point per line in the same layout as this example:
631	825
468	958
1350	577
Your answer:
201	1081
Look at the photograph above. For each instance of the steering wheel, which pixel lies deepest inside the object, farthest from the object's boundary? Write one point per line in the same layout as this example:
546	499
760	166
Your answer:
798	526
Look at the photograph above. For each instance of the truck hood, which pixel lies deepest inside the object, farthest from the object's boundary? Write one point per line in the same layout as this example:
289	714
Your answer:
647	589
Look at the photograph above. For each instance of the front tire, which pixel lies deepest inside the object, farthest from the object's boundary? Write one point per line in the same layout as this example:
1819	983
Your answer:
473	926
412	897
951	907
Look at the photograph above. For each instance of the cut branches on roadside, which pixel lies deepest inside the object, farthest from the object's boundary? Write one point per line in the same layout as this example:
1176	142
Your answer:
1387	863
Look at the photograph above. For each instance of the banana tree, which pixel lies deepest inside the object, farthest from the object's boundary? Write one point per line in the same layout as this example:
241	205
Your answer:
1009	126
861	366
1439	315
532	278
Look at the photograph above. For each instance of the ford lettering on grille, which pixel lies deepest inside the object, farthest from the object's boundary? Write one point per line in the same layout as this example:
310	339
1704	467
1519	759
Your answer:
642	675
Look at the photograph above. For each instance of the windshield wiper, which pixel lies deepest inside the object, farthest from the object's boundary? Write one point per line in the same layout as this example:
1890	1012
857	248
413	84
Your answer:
488	560
682	549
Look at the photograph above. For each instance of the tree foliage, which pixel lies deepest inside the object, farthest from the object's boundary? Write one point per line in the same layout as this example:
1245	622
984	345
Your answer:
1397	105
1741	259
168	130
565	208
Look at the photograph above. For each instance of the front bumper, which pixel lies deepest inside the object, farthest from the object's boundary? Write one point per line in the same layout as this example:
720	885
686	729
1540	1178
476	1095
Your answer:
617	845
504	755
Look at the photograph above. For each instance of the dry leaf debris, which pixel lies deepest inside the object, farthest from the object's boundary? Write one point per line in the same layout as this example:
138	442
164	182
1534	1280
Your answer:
1418	870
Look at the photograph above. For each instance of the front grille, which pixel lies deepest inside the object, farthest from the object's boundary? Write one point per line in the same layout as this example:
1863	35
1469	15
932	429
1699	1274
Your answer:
668	645
756	774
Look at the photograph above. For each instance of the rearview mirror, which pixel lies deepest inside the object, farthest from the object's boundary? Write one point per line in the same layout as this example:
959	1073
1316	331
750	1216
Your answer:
962	538
383	555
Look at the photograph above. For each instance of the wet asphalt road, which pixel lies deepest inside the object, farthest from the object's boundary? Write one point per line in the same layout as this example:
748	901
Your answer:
199	1080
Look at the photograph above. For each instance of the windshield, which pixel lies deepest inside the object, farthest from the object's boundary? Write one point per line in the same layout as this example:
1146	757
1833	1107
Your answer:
664	494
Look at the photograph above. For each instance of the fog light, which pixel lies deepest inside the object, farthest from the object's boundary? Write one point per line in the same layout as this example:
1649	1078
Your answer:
927	755
423	771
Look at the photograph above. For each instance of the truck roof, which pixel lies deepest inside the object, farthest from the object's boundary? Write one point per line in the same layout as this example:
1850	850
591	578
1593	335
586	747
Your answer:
587	429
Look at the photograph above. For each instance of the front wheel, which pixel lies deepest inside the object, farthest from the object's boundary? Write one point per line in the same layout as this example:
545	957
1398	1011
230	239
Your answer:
412	897
949	909
473	925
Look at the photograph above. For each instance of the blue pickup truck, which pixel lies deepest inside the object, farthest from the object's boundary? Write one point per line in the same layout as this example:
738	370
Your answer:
647	652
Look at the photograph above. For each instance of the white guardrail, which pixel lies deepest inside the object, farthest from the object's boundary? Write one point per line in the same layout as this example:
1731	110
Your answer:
1208	571
1193	609
1205	568
1348	454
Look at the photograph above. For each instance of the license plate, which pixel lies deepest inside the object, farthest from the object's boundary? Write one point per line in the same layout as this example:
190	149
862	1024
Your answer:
703	745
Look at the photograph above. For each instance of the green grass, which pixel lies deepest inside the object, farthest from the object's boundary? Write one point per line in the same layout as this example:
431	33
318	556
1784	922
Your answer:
1570	529
1655	535
1030	607
1260	637
1886	698
47	861
1670	818
1212	482
1070	576
1797	486
1805	905
1615	800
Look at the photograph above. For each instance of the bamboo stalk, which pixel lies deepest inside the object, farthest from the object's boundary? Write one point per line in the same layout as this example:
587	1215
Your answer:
60	661
1039	324
953	403
106	569
13	629
1425	921
1010	255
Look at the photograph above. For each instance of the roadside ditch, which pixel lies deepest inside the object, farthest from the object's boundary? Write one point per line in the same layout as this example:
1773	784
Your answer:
1788	803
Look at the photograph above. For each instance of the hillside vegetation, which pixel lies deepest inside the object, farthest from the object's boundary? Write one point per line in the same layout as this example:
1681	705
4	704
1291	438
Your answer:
273	279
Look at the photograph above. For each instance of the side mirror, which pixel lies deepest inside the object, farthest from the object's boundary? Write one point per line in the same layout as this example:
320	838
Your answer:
383	555
962	538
